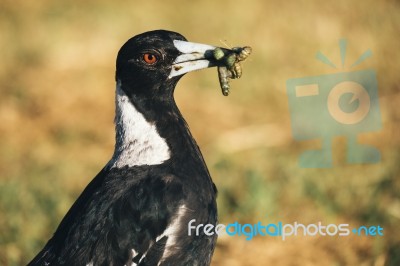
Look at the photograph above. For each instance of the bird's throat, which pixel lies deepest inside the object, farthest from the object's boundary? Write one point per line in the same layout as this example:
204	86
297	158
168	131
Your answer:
137	140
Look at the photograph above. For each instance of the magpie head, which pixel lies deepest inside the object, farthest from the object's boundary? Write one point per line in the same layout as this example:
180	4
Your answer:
150	64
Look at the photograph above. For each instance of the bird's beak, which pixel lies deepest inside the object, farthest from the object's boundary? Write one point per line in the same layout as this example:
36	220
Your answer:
194	56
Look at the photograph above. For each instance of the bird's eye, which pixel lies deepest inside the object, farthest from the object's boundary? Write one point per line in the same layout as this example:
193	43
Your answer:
150	58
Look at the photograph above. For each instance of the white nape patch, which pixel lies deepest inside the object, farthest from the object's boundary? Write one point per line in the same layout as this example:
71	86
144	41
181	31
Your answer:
137	141
172	231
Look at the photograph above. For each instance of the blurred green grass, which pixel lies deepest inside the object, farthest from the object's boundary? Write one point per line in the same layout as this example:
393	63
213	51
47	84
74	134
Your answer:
57	107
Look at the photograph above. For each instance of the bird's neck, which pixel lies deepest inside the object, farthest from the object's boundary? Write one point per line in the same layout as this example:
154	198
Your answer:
153	132
138	141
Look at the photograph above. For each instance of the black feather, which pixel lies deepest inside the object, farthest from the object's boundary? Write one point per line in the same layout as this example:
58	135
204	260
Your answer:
129	208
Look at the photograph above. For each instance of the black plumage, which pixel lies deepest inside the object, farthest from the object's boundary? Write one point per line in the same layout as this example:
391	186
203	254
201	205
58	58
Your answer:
136	212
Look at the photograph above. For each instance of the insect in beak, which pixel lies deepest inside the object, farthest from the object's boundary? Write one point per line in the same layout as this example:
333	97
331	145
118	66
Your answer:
195	56
230	68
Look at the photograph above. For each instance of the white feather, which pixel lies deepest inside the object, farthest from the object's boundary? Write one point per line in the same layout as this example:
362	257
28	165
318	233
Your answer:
172	231
138	141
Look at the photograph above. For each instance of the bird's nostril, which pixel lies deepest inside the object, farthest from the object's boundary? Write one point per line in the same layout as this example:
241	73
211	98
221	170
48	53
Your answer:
176	68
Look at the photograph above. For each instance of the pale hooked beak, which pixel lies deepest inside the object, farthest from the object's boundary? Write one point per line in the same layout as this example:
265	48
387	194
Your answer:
194	56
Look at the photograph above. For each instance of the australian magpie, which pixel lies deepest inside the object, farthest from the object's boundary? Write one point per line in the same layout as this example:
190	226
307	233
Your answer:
136	210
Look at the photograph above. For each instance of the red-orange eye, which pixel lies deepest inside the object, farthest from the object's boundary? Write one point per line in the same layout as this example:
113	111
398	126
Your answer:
150	58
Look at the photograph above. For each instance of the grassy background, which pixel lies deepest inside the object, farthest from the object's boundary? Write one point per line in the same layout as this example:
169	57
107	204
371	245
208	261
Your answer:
57	108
